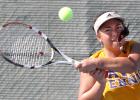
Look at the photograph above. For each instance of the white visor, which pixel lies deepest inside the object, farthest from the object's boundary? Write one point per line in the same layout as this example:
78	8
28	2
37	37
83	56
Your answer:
105	17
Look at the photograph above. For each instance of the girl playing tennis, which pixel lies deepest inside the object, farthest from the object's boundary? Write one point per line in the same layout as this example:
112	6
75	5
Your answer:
118	56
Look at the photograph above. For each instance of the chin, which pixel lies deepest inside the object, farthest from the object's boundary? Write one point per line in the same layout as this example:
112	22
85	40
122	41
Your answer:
116	49
116	46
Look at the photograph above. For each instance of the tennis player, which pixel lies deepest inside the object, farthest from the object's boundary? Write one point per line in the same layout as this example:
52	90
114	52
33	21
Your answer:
118	56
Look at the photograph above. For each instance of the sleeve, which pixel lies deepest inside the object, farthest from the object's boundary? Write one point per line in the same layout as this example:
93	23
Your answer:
97	54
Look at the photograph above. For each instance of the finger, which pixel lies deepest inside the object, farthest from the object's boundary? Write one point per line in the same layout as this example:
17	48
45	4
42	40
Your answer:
93	71
100	73
78	66
97	73
106	74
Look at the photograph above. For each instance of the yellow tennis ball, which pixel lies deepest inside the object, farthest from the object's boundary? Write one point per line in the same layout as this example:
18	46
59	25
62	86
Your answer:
65	14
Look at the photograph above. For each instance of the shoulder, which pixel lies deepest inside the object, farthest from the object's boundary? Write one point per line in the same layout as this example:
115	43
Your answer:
129	46
135	53
97	54
135	47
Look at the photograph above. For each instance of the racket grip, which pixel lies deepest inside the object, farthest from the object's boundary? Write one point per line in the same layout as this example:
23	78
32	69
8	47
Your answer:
76	64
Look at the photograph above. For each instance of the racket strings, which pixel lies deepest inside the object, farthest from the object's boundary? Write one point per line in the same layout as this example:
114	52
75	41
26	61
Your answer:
22	45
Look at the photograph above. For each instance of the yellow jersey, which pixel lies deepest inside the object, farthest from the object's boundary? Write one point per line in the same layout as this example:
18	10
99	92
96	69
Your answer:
121	86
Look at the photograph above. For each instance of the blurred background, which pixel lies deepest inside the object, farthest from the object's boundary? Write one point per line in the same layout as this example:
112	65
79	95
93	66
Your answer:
76	38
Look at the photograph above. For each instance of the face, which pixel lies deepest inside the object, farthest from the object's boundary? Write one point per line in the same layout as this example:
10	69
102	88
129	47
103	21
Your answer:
109	33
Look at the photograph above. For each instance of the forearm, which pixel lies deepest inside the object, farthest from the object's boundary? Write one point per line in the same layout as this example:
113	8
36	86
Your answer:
120	64
95	93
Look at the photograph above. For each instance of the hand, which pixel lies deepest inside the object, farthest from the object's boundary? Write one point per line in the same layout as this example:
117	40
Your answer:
87	65
99	75
123	44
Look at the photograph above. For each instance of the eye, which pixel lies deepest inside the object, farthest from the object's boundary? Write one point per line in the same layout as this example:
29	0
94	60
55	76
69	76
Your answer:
119	28
107	30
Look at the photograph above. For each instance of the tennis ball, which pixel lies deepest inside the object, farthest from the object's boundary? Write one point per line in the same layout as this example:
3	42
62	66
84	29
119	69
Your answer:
65	14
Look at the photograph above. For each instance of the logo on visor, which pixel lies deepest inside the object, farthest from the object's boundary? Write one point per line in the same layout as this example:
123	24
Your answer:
109	15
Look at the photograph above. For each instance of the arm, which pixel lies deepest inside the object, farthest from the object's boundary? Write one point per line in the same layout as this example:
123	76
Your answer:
121	64
91	89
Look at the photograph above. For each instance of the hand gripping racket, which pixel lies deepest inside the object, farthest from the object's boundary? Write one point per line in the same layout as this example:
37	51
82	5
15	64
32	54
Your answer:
26	46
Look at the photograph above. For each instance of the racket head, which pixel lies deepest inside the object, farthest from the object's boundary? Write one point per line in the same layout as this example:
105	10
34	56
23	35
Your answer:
22	45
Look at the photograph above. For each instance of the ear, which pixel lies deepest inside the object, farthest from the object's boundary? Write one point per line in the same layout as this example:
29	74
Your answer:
98	36
100	40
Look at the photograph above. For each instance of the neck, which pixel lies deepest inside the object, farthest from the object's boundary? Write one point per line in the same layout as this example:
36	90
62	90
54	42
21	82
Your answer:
112	53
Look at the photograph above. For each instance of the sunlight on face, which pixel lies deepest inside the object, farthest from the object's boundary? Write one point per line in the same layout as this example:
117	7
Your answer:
109	30
112	26
109	33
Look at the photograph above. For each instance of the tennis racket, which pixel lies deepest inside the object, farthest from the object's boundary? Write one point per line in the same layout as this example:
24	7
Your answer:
25	46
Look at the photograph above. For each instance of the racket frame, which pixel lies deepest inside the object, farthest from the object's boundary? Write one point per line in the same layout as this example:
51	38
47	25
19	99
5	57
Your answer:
69	60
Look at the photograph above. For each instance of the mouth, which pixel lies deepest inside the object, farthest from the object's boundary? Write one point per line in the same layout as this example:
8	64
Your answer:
119	44
116	44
